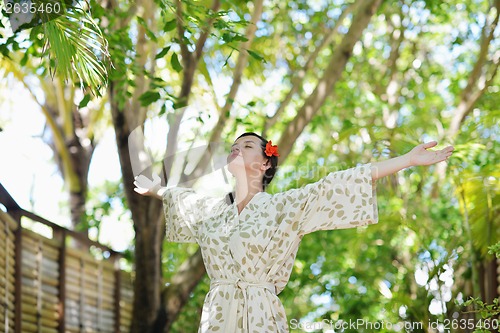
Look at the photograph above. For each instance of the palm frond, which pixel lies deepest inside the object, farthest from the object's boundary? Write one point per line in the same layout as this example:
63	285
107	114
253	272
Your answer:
482	203
77	49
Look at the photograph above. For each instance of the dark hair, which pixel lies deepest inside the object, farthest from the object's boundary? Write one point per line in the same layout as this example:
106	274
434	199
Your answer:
269	175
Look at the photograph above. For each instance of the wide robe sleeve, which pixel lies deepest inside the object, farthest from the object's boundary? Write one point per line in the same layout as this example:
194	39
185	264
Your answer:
185	210
342	199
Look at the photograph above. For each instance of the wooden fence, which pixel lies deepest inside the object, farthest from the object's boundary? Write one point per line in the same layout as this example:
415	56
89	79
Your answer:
55	285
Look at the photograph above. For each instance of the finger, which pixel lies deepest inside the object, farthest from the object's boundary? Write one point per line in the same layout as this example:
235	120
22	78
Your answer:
143	180
447	149
139	182
430	144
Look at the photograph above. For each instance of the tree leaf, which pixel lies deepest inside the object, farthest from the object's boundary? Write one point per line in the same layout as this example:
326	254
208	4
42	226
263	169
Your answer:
85	100
170	25
162	52
239	38
256	55
174	60
148	32
149	97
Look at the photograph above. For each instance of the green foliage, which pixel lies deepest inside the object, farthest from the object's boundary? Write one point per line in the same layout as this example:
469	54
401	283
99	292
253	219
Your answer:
120	48
73	48
488	312
495	250
176	65
106	201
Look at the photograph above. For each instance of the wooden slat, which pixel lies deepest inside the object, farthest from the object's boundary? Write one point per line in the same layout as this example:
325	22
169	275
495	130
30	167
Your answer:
48	301
3	329
72	281
30	260
33	246
6	218
6	238
7	232
47	281
51	249
47	322
126	312
88	262
7	251
49	265
7	269
8	294
33	236
7	279
32	287
32	310
33	328
87	258
10	315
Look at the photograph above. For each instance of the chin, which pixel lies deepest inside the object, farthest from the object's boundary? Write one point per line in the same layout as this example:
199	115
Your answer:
236	166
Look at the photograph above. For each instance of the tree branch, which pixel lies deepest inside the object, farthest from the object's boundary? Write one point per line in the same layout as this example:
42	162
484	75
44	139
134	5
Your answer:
331	76
206	31
297	80
190	62
186	55
468	97
241	63
136	114
176	295
63	110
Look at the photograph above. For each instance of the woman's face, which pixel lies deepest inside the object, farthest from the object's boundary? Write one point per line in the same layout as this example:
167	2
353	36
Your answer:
246	155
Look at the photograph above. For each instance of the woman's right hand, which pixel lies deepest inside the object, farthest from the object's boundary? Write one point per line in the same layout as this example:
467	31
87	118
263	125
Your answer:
148	187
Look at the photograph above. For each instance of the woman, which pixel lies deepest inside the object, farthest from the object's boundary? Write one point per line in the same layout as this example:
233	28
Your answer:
249	244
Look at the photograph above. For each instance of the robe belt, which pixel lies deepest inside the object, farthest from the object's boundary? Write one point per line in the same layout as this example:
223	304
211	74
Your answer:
243	286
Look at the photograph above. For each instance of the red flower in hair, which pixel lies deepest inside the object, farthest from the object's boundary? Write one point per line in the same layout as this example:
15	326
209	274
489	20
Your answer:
271	150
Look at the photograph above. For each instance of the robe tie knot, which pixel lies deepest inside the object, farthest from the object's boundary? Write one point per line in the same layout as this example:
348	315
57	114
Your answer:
243	286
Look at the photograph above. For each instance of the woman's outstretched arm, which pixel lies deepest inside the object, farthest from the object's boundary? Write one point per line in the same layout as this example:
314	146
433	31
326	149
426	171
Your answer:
417	156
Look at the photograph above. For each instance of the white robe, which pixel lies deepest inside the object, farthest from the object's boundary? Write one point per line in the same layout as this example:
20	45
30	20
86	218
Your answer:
249	256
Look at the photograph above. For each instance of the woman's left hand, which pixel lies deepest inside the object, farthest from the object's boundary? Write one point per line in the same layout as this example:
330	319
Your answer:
421	156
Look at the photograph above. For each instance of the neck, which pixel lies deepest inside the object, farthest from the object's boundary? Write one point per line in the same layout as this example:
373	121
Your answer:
245	190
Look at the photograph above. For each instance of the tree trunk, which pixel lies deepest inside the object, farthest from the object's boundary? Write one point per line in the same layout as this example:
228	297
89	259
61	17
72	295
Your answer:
490	280
148	310
80	160
149	233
